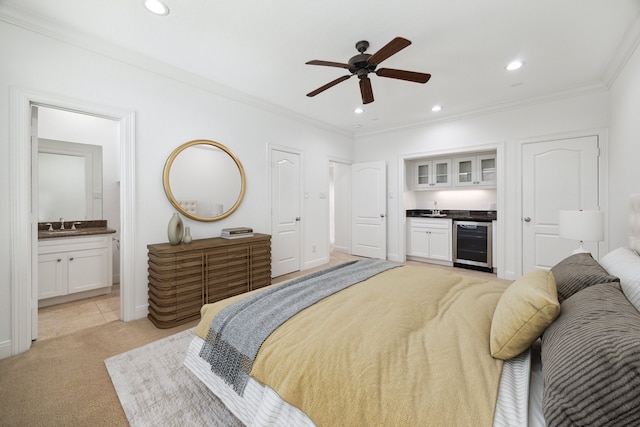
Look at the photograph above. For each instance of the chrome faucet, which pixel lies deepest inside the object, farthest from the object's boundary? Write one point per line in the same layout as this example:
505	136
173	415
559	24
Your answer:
50	226
61	223
435	208
73	225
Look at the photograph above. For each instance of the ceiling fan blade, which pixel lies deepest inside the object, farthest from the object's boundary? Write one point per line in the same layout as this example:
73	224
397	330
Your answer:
410	76
391	48
366	90
328	85
328	64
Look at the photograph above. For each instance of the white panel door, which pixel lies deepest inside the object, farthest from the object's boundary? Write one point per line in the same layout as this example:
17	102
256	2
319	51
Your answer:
369	210
556	175
285	212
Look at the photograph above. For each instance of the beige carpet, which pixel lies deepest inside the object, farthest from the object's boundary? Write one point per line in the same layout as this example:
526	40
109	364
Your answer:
63	381
155	388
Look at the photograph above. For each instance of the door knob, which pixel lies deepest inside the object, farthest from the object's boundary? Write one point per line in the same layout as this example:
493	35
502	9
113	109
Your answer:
527	219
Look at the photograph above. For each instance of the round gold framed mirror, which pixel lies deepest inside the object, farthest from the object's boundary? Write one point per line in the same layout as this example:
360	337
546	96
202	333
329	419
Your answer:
204	180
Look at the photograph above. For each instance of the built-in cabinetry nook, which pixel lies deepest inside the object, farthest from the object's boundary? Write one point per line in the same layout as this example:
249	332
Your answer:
451	200
460	171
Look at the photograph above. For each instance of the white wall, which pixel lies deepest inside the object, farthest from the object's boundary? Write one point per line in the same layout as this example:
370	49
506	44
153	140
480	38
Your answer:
624	154
169	111
471	199
508	127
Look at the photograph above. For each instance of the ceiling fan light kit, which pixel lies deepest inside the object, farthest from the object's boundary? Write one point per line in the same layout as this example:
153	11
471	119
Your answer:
364	63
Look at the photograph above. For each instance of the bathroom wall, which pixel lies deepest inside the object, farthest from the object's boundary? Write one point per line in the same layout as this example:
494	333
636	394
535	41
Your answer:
67	126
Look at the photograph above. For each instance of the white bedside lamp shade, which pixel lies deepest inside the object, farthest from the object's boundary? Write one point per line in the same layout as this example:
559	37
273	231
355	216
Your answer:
584	226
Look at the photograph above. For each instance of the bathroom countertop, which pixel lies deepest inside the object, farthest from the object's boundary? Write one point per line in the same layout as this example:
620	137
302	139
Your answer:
82	228
88	231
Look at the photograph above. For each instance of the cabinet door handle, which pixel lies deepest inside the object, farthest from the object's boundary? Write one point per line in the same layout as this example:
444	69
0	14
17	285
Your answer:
381	215
70	258
297	218
527	219
59	260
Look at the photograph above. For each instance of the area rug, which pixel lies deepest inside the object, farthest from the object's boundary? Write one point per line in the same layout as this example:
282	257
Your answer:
155	389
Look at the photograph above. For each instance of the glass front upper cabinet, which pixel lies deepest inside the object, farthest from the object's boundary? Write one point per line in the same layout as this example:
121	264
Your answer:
477	170
433	173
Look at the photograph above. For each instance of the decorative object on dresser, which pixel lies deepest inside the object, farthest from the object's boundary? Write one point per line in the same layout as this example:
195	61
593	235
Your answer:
175	229
182	278
187	239
236	232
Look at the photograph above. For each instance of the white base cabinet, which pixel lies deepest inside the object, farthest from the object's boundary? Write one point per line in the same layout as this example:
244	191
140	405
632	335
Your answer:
430	238
70	265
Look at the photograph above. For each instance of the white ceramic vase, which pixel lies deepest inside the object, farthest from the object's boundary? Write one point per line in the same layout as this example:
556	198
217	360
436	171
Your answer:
175	229
187	236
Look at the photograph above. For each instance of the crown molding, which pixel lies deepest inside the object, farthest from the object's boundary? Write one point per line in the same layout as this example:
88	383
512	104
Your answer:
13	14
625	50
495	108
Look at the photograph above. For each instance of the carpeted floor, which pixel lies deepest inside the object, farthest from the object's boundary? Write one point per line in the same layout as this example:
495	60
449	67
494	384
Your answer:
63	381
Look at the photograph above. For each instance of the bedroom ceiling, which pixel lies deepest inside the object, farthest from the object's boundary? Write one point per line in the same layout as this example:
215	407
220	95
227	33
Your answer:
256	50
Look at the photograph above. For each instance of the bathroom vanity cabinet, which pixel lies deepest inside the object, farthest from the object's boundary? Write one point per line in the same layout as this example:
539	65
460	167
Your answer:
182	278
70	265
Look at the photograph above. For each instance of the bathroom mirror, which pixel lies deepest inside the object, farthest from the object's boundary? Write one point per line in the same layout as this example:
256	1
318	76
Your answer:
204	180
69	181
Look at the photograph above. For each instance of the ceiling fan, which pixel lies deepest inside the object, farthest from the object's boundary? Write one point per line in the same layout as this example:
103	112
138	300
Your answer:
364	63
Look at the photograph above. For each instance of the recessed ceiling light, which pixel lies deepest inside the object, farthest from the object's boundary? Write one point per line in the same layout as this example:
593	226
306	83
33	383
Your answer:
358	110
514	65
157	7
436	108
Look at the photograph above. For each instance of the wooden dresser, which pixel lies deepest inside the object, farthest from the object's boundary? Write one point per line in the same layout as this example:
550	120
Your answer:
182	278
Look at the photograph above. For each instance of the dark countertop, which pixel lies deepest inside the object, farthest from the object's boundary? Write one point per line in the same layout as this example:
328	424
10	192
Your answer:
83	228
458	215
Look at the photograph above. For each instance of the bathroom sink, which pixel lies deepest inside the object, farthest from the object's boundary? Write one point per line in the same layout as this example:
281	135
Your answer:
434	215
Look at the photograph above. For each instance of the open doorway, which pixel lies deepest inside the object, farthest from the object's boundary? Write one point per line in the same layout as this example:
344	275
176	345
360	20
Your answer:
24	222
339	207
67	188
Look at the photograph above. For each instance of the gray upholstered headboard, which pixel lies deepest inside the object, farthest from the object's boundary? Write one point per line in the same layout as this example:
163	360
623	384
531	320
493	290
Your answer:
634	223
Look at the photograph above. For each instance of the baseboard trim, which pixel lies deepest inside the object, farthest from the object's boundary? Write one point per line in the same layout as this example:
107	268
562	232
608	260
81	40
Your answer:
5	349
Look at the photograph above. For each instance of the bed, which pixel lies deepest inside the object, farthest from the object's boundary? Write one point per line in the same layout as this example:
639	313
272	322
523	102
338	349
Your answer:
376	343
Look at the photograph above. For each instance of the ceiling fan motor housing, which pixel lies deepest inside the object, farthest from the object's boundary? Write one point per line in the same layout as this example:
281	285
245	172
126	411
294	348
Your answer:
360	65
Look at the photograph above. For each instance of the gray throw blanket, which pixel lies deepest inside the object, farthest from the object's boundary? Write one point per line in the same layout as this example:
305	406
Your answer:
238	331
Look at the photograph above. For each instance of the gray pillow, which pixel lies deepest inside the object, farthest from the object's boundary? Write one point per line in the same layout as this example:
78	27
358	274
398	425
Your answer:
591	361
577	272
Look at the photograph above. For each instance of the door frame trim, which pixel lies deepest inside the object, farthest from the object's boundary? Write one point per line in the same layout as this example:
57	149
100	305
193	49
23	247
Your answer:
603	173
24	223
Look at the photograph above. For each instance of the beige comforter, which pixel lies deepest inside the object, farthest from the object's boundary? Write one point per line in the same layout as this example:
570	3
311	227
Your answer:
408	347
